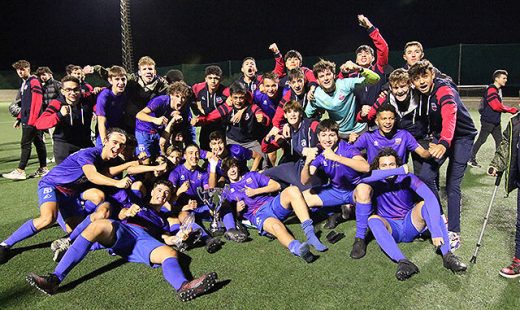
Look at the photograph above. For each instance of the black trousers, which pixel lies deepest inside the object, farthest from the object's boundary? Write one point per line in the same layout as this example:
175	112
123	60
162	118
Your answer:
31	135
62	150
487	128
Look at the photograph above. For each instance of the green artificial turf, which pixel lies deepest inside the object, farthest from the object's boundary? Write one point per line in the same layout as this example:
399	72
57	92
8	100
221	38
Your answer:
261	274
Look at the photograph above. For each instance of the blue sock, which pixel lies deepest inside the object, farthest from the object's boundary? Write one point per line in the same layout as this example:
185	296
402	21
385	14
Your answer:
25	231
312	239
363	211
90	207
173	273
137	193
294	246
385	239
72	257
195	226
80	228
174	229
229	221
432	216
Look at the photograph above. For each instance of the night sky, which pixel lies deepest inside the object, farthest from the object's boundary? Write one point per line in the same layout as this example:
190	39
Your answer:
59	32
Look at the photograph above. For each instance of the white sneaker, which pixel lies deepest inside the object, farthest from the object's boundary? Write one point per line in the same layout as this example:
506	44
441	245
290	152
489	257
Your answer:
454	240
15	175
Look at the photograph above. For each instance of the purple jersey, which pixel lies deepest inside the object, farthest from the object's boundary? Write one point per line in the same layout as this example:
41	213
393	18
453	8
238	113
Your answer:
235	151
395	196
197	178
402	142
154	222
268	105
341	176
160	106
112	107
237	192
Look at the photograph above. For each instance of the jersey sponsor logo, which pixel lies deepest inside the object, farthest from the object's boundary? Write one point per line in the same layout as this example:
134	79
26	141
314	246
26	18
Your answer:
398	141
47	190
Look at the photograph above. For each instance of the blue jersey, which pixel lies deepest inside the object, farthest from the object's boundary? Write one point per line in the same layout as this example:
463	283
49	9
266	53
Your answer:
159	106
234	151
341	176
268	105
112	107
154	222
237	192
197	177
68	177
402	142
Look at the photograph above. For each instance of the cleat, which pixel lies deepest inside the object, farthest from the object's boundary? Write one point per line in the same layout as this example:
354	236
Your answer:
333	221
473	163
197	287
454	240
511	271
4	254
305	253
359	248
47	284
213	245
346	211
15	175
40	172
235	235
453	263
405	269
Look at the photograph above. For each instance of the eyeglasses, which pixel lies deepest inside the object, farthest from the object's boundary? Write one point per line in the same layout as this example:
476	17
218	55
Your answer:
69	90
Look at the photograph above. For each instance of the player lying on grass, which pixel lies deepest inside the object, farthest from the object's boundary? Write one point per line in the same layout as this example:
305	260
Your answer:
60	189
135	238
251	193
399	218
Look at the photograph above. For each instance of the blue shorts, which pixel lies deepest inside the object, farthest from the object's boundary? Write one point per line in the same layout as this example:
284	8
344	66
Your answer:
331	196
68	206
269	209
134	244
403	230
148	143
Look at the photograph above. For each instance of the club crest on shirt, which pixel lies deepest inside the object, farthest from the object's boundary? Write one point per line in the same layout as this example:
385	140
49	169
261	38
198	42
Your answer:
434	106
183	178
199	176
219	100
342	96
249	180
398	141
232	190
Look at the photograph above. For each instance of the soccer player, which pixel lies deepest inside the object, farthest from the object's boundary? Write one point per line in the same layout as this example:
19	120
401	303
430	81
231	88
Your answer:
387	135
337	96
137	238
111	102
77	72
249	74
70	115
31	108
50	86
491	109
343	165
453	134
208	96
399	218
507	160
158	113
414	52
250	192
59	190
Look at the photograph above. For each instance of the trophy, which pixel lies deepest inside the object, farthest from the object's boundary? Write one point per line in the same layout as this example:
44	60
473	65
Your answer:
212	197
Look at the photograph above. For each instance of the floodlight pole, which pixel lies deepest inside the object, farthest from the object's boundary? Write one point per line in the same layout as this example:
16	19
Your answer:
126	36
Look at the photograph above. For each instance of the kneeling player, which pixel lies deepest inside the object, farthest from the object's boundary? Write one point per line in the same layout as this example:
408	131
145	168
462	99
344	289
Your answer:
250	191
400	219
135	239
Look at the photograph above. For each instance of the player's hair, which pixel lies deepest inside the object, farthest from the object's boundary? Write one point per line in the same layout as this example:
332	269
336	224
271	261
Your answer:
173	148
217	135
181	88
384	152
71	67
295	74
70	78
271	76
238	88
499	72
114	130
229	162
365	48
21	64
43	70
163	182
398	76
116	71
294	106
414	43
174	75
131	141
419	68
248	58
327	125
146	61
191	145
293	54
213	70
323	65
386	108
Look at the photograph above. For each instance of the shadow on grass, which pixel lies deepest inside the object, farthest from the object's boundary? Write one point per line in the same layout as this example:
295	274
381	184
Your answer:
14	296
20	250
113	265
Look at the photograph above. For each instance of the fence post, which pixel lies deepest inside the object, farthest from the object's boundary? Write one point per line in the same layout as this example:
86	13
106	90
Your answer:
229	69
460	63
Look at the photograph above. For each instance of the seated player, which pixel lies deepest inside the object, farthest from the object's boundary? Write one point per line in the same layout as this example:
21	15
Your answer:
140	237
399	218
59	190
343	165
387	135
159	112
251	193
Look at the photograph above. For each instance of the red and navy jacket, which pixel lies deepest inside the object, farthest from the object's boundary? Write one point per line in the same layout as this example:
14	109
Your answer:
209	102
289	95
32	101
243	131
254	84
279	69
491	106
367	94
449	118
73	128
